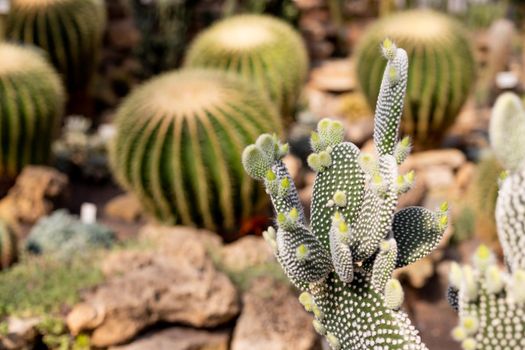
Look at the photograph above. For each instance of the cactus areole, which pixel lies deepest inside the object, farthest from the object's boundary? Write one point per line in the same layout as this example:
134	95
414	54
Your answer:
343	261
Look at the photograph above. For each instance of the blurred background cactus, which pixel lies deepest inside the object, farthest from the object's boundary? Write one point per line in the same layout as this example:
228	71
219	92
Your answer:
441	70
344	261
178	144
8	245
70	31
265	50
32	103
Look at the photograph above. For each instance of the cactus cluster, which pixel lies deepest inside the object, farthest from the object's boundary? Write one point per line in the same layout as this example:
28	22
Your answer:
8	245
32	101
70	31
178	145
441	70
265	50
343	261
490	301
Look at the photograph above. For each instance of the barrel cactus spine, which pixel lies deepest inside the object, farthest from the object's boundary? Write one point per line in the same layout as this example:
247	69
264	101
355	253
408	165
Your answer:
343	261
32	103
441	70
8	245
491	301
70	31
263	49
178	145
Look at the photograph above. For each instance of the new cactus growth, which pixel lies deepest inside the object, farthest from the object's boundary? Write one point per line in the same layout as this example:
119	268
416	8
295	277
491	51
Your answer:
178	145
343	261
441	70
265	50
32	100
70	31
8	245
490	301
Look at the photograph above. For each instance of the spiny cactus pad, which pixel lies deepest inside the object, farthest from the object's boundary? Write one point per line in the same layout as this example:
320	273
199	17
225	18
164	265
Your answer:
507	127
70	31
32	100
178	146
343	262
490	302
265	50
440	75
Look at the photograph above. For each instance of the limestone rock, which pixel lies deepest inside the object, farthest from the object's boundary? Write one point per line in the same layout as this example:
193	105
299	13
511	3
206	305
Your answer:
176	282
125	208
451	158
35	193
247	252
178	338
272	318
21	333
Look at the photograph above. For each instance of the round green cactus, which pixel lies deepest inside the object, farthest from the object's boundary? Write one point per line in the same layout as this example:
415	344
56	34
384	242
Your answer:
441	70
8	246
263	49
32	103
179	142
69	30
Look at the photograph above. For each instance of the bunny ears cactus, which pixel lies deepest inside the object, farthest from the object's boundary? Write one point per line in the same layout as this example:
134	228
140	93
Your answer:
490	301
343	261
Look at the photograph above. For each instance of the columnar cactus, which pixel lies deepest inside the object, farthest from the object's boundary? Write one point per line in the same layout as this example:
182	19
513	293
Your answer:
69	30
343	261
441	70
31	104
265	50
491	302
8	245
178	145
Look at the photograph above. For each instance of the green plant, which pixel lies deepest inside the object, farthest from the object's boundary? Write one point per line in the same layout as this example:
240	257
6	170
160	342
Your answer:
65	236
263	49
344	262
8	245
441	70
178	144
70	31
491	302
32	103
40	285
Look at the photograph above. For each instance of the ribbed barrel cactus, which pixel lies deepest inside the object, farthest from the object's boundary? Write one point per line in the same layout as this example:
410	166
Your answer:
265	50
343	261
31	104
69	30
8	245
178	145
441	70
491	302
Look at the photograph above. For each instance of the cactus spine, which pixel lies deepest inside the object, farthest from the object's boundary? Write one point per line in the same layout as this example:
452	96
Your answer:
441	70
32	104
70	31
8	245
265	50
178	145
344	261
491	302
